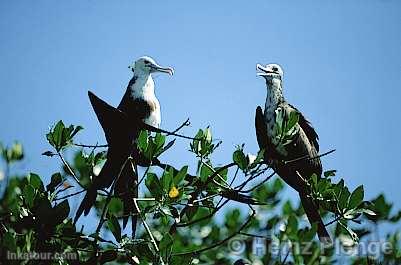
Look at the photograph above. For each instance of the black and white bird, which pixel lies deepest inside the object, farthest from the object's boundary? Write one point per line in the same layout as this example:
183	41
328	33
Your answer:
304	144
139	107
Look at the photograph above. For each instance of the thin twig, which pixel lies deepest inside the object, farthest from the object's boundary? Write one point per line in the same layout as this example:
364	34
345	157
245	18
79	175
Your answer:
235	176
152	239
285	258
203	217
333	221
217	174
242	185
109	196
184	124
72	173
76	193
196	252
254	235
92	146
69	195
259	184
198	190
144	175
205	198
62	190
309	158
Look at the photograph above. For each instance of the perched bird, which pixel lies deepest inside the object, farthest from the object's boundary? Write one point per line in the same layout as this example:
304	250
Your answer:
302	150
139	107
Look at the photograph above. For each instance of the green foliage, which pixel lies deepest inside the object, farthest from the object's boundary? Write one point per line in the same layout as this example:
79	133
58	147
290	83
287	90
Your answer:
190	218
285	129
203	145
13	154
60	136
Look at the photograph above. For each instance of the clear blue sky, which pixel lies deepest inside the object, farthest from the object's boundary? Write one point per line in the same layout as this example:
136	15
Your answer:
342	65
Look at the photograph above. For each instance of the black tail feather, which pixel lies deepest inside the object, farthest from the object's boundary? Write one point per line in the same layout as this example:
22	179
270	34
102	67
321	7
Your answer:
311	211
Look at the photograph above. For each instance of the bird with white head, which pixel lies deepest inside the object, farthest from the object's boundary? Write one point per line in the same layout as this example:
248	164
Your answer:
138	108
304	144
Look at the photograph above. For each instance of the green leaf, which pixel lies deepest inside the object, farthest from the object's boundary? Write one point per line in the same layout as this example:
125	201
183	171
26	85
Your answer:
232	219
208	135
196	144
192	211
58	135
287	208
60	212
239	158
205	172
143	140
356	197
76	130
56	179
343	199
350	232
167	179
15	153
114	227
278	185
107	256
369	212
292	120
168	146
202	145
223	173
159	140
292	224
35	181
351	214
9	241
166	245
330	173
182	260
153	184
29	195
43	210
115	206
307	234
48	153
180	175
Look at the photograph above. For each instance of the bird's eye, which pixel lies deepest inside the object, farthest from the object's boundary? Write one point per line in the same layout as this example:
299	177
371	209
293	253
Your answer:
275	69
146	62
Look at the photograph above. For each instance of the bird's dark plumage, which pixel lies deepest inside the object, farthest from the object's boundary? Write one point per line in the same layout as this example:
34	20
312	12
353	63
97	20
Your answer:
120	132
139	109
304	145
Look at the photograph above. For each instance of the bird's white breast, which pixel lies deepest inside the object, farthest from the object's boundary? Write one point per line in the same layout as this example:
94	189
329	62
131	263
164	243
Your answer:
154	118
144	88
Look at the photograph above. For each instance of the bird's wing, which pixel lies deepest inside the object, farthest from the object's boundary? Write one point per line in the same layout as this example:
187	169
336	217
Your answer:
110	118
119	139
127	189
303	146
295	174
307	128
261	129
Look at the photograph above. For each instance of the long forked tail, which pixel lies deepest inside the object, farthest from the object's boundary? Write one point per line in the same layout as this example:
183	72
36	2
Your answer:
297	182
104	180
111	120
127	190
311	211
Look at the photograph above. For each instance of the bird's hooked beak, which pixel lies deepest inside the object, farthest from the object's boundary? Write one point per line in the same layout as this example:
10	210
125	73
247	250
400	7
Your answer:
263	71
158	68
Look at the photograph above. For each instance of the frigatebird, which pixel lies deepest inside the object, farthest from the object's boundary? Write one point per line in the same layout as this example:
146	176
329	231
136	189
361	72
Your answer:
139	109
298	160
